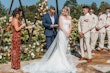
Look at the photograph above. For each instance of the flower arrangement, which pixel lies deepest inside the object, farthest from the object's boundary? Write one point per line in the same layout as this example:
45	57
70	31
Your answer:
42	8
36	48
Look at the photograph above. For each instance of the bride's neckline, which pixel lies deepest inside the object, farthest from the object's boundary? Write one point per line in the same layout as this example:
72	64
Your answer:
65	18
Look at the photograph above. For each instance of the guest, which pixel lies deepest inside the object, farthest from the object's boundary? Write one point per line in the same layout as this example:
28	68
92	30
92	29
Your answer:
101	29
16	35
93	32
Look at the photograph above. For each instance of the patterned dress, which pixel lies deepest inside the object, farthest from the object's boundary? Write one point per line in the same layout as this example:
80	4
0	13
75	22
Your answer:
15	52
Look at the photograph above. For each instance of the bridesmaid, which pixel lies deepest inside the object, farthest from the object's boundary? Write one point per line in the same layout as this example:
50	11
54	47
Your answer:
16	35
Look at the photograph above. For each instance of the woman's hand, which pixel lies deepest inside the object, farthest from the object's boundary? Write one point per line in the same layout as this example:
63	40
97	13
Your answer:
23	25
67	34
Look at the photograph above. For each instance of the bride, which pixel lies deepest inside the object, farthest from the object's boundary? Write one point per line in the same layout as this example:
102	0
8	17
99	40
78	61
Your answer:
58	58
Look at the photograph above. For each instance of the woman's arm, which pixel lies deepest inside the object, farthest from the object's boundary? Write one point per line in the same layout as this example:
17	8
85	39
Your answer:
15	24
70	27
61	26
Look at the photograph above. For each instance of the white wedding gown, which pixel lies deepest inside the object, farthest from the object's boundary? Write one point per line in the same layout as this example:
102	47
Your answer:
57	59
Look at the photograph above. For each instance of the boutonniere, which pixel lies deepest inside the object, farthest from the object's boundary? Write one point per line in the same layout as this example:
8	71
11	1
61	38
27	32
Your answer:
100	19
86	20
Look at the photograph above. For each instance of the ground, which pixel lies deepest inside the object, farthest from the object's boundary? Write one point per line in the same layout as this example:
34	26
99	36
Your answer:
100	64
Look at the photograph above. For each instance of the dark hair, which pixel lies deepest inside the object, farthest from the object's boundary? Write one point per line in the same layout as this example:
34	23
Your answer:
107	8
16	11
52	7
100	10
91	9
87	7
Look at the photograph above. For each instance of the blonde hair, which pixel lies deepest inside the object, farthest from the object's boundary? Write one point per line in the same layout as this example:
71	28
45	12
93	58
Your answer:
67	9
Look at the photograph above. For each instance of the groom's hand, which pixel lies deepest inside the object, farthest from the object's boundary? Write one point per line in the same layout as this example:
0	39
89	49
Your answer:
81	34
52	26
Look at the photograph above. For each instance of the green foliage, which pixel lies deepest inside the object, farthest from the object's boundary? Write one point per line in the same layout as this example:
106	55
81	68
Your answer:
108	72
94	6
3	10
30	12
104	5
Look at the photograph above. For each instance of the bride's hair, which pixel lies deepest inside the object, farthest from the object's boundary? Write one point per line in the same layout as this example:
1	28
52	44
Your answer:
67	9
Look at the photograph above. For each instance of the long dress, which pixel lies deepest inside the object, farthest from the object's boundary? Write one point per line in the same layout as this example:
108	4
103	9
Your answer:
15	52
57	59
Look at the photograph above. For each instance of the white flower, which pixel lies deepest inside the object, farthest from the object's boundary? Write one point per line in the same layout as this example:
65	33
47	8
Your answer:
46	7
26	49
10	19
29	45
39	4
44	13
40	22
41	14
41	49
33	46
8	54
41	8
4	17
34	43
37	43
4	20
33	55
4	54
43	2
0	56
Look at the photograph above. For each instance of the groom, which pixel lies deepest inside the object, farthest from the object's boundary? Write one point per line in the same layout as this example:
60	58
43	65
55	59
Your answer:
50	22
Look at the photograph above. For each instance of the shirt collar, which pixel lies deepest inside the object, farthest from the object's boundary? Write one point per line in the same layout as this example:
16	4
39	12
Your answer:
86	14
50	15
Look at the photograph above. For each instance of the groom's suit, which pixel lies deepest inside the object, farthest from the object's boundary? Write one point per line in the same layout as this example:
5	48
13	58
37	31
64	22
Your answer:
84	26
49	32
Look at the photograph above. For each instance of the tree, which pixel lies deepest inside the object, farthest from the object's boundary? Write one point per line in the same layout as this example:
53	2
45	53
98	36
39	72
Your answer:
103	6
94	6
30	12
71	3
3	10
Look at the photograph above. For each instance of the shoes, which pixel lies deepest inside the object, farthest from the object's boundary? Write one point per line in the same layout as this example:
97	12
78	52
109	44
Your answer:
108	50
99	50
82	58
94	51
89	60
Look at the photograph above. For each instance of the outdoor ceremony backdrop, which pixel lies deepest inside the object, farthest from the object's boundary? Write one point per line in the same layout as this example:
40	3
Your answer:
34	49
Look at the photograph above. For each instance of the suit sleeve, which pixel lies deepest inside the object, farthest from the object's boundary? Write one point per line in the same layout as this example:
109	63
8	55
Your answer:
79	25
96	21
46	25
90	23
105	19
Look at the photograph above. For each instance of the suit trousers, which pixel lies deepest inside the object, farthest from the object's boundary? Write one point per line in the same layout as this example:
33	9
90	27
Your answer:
101	38
108	36
94	38
49	40
85	43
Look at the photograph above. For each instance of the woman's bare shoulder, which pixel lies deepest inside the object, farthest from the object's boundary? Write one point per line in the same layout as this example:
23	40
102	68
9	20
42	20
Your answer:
14	21
69	17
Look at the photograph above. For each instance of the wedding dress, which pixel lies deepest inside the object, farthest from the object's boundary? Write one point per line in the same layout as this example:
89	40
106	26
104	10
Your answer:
58	58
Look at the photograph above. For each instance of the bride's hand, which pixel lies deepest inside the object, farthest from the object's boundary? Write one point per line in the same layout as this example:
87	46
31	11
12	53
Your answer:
67	34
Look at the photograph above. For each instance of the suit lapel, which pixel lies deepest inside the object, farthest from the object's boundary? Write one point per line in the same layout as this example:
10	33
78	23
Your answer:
49	18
